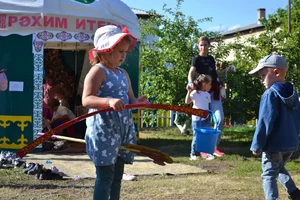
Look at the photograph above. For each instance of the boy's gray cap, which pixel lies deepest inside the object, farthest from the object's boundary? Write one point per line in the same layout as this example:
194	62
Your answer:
274	61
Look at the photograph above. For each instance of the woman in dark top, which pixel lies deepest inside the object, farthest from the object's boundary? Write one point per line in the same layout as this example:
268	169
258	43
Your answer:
203	63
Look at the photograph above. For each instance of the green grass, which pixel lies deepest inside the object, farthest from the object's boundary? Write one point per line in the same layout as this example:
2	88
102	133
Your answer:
235	176
235	141
238	134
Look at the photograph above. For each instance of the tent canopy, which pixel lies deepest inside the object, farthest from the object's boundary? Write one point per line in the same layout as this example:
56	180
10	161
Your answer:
25	17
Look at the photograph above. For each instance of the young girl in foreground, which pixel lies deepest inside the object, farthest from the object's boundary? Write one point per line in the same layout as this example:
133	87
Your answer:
199	96
107	85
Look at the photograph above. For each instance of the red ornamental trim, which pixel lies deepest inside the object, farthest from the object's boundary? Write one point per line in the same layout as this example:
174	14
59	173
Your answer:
31	146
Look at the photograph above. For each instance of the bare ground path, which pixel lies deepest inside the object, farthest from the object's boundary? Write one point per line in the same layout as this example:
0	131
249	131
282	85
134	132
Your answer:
79	164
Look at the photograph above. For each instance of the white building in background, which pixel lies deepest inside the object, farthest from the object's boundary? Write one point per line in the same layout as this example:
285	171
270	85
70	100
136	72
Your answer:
143	15
245	32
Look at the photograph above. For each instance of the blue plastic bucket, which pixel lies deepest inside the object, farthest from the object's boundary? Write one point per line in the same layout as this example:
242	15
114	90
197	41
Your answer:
206	138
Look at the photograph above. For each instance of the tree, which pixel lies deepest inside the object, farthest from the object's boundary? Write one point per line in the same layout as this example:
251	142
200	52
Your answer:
165	61
245	90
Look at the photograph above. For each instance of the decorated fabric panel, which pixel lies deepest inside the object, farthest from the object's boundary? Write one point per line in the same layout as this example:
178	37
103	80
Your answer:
54	66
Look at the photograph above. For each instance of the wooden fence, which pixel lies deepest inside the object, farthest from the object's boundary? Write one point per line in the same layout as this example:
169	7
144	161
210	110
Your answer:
163	119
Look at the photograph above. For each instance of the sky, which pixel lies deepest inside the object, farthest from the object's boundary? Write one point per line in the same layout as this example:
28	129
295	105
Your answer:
226	14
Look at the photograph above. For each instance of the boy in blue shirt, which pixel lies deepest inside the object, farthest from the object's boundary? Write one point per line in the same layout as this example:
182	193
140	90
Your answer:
277	131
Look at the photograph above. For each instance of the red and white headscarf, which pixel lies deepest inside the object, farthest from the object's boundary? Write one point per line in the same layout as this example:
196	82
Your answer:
107	37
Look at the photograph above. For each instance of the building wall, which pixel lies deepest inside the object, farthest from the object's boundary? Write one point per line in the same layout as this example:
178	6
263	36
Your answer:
243	38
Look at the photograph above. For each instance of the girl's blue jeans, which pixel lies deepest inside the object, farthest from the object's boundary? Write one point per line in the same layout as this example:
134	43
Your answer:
216	107
108	181
273	166
195	124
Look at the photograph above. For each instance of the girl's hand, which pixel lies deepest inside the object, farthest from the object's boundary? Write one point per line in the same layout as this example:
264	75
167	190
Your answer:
142	100
231	68
117	104
190	86
189	89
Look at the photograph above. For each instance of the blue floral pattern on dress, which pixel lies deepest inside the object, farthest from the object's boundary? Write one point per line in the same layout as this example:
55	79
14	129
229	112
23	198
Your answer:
107	131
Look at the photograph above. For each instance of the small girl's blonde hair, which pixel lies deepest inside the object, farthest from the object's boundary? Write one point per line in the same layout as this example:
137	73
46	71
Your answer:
202	78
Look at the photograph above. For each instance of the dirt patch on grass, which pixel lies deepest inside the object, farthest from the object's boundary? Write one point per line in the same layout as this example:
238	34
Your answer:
215	166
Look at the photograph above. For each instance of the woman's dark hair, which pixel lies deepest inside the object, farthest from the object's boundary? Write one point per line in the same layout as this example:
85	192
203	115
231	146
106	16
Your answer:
202	78
52	103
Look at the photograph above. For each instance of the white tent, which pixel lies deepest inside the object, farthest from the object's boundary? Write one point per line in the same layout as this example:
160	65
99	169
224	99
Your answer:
30	16
29	26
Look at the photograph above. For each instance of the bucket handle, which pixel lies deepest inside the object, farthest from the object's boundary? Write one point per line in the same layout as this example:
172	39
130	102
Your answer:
211	113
